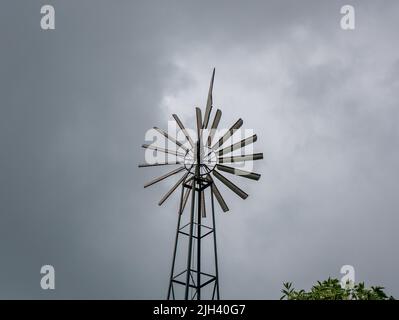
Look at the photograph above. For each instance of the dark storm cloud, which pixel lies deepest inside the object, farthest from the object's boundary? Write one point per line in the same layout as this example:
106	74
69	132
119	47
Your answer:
76	103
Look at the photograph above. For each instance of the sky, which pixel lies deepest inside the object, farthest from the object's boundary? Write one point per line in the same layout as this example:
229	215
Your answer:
77	101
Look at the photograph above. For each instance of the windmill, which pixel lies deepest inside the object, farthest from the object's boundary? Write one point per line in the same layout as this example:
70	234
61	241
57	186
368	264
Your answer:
201	162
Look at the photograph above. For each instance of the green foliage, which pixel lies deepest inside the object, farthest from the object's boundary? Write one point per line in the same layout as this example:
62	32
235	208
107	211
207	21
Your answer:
331	289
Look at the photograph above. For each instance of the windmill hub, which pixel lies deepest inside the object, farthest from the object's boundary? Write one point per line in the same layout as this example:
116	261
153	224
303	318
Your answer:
208	160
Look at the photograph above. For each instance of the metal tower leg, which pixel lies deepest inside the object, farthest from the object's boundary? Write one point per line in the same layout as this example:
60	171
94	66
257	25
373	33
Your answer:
199	245
175	248
190	243
215	251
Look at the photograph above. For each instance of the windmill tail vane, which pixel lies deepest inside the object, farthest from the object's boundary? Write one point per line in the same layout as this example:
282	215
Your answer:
200	160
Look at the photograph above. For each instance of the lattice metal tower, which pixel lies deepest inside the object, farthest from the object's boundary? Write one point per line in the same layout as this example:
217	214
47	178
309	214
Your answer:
200	162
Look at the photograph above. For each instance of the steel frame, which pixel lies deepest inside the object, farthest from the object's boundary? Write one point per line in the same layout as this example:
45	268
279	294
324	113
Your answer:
198	186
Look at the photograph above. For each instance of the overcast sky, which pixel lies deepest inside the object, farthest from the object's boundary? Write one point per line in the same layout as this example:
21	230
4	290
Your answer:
76	103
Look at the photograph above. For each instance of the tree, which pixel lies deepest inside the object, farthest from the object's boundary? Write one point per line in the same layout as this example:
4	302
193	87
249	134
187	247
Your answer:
331	289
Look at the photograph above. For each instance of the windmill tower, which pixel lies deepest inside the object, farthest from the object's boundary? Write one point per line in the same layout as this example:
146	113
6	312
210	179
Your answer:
200	161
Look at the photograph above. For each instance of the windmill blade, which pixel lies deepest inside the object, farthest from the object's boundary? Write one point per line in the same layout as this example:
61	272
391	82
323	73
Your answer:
209	102
167	136
180	124
151	147
199	123
185	198
228	134
203	208
230	185
166	196
238	145
171	173
238	172
214	126
143	165
250	157
218	195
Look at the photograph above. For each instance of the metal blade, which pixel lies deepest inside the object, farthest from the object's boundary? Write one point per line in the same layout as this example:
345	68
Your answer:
250	157
199	123
166	196
238	145
238	172
185	198
214	126
209	102
230	185
203	208
181	199
167	136
143	165
199	133
180	124
228	134
171	173
151	147
218	195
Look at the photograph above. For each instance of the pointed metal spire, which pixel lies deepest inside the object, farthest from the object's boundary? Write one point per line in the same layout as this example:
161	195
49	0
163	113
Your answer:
209	102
